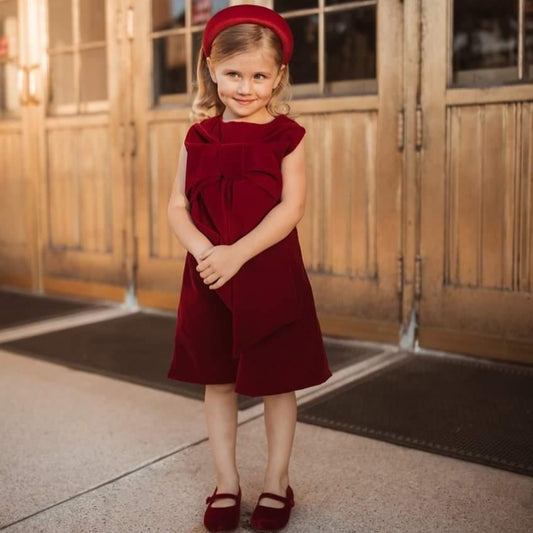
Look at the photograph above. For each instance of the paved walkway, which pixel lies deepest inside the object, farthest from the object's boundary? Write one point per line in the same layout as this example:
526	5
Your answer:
83	453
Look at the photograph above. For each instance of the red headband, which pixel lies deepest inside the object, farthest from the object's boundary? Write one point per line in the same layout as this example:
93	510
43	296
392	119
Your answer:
249	14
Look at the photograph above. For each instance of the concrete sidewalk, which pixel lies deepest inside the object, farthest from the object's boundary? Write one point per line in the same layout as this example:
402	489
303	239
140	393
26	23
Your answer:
86	453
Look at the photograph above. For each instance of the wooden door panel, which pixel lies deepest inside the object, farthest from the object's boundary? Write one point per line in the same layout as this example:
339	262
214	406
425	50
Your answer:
160	255
338	232
83	205
476	203
164	142
79	195
488	192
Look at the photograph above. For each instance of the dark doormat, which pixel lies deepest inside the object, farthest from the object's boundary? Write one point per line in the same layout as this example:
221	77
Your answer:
18	308
342	354
138	348
471	410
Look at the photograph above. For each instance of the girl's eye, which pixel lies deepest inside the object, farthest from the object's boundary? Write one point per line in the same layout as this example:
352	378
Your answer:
232	74
260	76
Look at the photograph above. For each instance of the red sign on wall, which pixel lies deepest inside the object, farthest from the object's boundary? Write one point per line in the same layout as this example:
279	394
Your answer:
201	11
4	46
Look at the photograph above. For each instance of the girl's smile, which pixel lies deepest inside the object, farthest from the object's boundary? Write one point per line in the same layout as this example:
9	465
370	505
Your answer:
245	83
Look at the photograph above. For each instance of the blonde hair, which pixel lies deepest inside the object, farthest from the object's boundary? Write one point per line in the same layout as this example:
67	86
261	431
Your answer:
235	40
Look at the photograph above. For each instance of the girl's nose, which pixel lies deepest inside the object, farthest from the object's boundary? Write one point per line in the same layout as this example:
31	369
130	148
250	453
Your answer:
244	86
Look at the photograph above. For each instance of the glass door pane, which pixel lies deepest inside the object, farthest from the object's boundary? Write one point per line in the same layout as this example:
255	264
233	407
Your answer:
167	15
78	56
351	51
176	37
61	91
485	41
92	21
93	75
60	23
528	39
9	59
170	66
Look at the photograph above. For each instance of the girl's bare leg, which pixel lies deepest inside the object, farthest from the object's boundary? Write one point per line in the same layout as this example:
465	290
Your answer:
280	424
221	417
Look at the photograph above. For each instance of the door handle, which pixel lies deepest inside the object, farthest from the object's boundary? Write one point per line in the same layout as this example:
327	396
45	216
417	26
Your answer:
32	84
22	85
27	84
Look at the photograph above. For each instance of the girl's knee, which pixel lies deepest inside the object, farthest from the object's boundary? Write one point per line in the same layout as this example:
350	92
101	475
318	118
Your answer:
221	388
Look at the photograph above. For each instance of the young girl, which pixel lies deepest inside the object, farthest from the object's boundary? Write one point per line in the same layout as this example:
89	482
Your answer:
246	320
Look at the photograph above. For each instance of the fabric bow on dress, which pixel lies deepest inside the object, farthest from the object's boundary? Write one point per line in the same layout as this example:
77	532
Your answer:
229	193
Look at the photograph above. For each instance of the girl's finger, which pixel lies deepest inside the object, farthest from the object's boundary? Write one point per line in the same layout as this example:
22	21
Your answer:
218	284
210	279
206	272
202	266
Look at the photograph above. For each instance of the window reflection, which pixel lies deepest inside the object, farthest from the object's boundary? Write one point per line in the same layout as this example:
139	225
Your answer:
351	44
304	63
92	20
202	10
168	14
335	2
77	56
60	23
292	5
170	66
485	41
196	45
61	90
528	39
177	49
93	75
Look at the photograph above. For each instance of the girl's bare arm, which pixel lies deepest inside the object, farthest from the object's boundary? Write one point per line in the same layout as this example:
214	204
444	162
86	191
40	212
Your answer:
191	238
283	218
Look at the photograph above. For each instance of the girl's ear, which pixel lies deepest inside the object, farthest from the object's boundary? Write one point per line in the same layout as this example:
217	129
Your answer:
211	71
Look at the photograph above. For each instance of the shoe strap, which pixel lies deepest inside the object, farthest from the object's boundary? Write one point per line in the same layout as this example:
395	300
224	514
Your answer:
215	496
277	497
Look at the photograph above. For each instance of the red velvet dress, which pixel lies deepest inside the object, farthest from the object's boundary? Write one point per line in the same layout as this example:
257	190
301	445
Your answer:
260	329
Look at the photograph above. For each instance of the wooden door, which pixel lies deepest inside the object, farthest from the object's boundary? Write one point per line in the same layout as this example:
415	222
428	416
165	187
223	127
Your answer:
476	246
18	265
351	232
84	148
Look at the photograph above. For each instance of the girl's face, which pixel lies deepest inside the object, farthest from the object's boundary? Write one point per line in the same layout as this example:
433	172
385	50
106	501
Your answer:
245	83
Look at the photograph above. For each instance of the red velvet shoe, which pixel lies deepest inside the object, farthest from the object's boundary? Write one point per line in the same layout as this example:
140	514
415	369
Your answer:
222	518
271	518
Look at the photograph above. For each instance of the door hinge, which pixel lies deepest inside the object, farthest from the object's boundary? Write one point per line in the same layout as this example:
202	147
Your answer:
133	130
135	258
399	285
401	129
124	252
129	23
399	279
419	127
418	276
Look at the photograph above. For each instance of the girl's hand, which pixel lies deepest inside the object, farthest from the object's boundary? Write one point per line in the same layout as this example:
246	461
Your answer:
219	264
